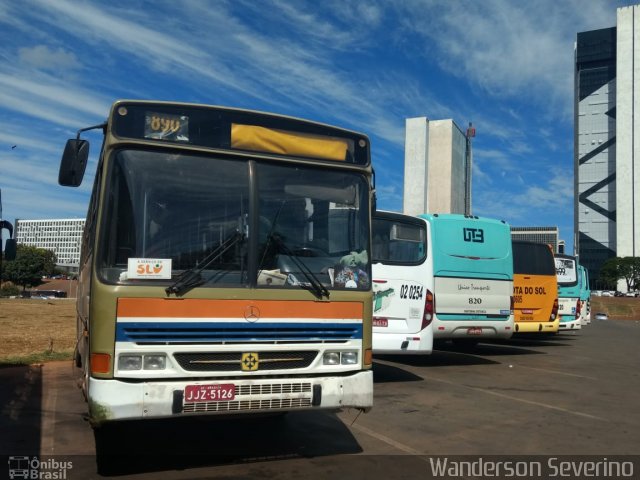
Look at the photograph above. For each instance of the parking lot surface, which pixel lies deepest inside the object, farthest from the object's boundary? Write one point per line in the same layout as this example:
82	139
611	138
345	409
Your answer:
567	395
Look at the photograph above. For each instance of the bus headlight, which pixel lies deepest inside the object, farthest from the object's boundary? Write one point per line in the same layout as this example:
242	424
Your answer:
130	362
155	362
340	358
331	358
349	358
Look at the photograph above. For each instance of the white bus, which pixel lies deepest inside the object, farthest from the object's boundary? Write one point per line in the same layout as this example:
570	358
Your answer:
439	277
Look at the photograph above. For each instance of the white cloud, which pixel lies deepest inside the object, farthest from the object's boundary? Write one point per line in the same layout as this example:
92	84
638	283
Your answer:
479	176
362	65
509	48
540	198
68	110
271	68
10	137
46	58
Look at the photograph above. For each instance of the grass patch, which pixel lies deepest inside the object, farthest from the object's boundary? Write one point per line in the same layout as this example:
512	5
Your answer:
36	331
617	308
32	358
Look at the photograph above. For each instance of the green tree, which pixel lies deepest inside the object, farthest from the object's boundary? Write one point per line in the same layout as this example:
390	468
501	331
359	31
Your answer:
609	272
30	265
627	268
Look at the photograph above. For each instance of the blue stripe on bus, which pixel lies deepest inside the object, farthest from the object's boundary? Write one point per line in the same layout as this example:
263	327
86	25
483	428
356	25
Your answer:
190	332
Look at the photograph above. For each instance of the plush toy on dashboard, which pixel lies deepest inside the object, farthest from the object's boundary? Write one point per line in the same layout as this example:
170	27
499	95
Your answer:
351	271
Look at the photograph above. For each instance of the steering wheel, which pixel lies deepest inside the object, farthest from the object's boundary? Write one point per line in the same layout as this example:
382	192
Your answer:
309	252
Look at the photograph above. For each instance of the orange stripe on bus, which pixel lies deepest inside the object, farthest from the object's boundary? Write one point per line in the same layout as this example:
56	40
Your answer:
200	308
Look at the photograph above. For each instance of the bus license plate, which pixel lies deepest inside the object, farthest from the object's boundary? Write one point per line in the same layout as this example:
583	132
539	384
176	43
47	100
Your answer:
380	322
474	331
209	393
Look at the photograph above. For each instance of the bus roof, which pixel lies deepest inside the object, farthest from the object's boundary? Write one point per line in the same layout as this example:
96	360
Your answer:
236	129
467	245
443	217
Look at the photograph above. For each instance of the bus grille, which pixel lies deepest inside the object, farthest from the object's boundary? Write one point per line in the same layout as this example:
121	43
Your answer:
241	404
233	361
157	333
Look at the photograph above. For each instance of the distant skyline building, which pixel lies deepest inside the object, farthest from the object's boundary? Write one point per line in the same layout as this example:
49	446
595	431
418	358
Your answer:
606	144
62	236
547	235
436	167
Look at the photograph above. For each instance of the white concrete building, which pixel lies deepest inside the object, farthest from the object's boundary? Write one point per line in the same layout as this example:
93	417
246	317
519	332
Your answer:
627	132
435	167
62	236
548	235
606	142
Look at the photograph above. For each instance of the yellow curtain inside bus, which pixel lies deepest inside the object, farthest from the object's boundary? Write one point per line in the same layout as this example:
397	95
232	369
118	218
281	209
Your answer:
261	139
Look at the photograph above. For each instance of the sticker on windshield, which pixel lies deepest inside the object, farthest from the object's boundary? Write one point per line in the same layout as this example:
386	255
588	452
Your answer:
149	268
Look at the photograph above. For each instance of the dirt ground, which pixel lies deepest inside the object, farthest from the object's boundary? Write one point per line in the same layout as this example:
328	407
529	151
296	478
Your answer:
33	326
617	308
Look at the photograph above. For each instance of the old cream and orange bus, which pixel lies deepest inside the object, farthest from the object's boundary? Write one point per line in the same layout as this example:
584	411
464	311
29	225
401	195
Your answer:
225	264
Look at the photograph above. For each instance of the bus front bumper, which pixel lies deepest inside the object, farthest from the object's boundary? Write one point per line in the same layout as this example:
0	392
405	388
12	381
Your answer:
112	399
537	327
472	329
571	324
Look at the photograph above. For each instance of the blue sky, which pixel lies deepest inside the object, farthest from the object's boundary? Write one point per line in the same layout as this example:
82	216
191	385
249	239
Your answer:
505	65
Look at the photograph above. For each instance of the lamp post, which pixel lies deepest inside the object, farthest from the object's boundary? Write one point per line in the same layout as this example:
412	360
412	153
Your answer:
8	226
10	249
1	253
471	132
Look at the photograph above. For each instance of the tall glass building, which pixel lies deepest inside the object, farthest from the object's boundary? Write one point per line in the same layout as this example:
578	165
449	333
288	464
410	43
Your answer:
606	109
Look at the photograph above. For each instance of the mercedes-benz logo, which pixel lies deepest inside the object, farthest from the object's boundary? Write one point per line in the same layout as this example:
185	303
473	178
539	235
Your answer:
251	313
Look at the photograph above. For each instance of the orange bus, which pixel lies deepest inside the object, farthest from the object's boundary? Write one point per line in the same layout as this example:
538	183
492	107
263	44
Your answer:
535	288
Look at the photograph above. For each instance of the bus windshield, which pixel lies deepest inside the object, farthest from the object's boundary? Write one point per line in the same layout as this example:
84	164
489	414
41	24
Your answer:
287	222
532	259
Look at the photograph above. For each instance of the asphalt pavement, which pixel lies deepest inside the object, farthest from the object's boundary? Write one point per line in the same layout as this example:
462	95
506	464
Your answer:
573	394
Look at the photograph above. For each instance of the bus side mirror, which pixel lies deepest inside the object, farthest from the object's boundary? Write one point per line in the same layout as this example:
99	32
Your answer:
10	249
73	163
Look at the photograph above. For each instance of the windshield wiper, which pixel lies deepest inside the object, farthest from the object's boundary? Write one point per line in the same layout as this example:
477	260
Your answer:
315	286
191	278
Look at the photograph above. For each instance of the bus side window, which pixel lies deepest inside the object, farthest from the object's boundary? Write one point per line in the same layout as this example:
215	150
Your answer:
88	235
380	248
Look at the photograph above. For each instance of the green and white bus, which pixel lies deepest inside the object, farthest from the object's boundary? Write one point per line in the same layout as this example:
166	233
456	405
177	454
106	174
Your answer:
225	264
585	295
440	277
569	300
